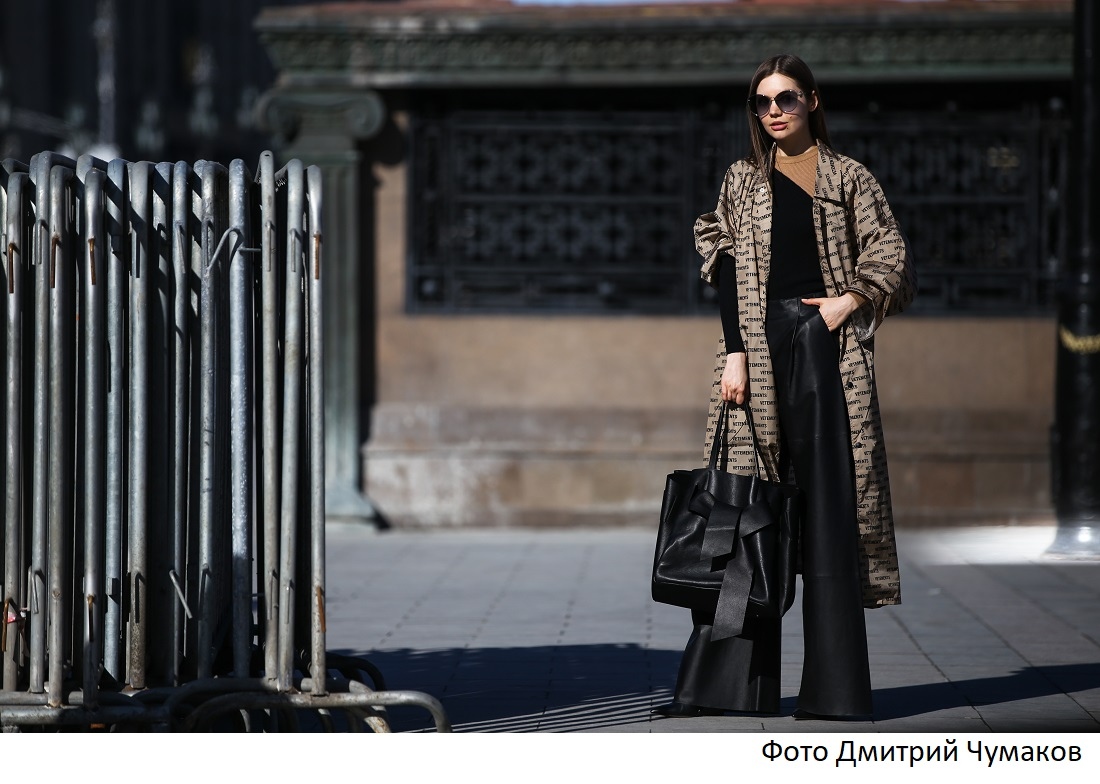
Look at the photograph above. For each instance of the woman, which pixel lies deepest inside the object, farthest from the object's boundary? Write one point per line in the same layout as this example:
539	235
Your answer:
808	260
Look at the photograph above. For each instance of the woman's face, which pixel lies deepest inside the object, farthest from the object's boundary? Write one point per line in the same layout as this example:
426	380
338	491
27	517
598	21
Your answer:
790	129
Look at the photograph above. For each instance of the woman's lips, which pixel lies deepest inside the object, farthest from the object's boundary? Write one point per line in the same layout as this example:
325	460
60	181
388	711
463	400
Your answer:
778	126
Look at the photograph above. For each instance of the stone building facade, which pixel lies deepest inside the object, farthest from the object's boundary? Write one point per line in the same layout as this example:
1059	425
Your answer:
516	331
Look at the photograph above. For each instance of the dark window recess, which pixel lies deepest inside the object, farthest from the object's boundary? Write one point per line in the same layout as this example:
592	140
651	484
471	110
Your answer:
592	212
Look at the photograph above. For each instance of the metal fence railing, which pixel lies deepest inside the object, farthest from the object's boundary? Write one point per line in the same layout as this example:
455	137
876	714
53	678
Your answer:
163	549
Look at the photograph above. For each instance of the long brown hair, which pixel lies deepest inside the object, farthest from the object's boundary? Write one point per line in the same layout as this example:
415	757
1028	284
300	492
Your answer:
793	68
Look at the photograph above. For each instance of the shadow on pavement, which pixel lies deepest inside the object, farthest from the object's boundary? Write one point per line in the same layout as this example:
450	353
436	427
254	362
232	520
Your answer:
562	688
568	688
1025	683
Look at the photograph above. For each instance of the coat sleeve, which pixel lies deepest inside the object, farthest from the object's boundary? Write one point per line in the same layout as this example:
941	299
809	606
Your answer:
884	271
713	231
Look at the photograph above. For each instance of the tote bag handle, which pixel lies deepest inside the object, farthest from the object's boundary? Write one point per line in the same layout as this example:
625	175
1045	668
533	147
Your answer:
719	450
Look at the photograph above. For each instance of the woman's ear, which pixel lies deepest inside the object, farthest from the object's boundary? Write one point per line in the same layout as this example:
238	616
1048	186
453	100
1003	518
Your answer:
813	101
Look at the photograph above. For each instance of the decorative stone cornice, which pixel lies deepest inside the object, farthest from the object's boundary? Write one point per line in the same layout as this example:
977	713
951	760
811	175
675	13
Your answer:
378	46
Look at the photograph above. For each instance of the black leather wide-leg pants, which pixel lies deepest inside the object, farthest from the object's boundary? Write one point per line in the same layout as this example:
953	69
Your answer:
816	439
742	673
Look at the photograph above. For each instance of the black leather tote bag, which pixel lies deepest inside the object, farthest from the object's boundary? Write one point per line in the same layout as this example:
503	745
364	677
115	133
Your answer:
727	542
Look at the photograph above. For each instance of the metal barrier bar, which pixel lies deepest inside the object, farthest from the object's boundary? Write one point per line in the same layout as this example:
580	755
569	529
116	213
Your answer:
36	586
268	393
240	413
140	280
316	431
160	593
75	717
93	323
258	700
60	438
16	188
292	374
181	387
196	264
115	477
207	323
72	253
211	527
40	167
5	173
77	408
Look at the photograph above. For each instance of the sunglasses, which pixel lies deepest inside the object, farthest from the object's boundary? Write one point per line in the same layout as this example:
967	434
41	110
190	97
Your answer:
787	101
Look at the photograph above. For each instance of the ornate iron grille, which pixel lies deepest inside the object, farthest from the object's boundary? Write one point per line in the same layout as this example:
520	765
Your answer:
978	197
591	212
563	211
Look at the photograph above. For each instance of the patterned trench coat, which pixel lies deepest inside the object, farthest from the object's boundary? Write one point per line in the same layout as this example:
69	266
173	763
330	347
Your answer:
861	249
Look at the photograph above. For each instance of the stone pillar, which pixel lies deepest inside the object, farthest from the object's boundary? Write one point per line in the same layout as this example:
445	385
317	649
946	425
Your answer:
1076	436
326	129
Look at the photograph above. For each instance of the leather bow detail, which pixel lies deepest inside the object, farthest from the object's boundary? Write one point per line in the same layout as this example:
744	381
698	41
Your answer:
726	526
723	522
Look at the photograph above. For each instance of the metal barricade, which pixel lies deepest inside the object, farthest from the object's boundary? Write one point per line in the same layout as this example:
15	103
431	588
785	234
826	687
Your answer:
163	546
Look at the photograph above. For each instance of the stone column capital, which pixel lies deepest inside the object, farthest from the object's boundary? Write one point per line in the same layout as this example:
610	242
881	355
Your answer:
354	115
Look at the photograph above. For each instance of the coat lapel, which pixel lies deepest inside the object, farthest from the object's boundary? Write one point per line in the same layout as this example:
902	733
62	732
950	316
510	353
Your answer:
830	215
762	237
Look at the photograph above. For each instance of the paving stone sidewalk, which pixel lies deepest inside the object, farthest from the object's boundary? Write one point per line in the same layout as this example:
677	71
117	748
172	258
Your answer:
554	631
